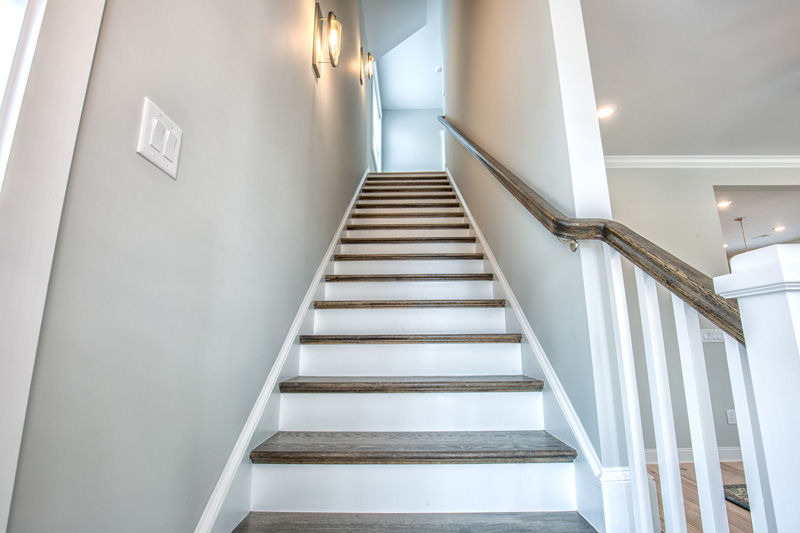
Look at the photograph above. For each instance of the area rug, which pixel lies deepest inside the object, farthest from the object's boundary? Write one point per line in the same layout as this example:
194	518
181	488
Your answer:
737	494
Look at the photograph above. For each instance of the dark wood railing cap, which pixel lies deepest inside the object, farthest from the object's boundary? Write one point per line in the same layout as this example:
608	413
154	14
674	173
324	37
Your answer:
691	285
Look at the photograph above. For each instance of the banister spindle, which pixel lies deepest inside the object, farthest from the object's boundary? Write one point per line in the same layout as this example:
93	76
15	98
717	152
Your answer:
661	401
701	421
642	509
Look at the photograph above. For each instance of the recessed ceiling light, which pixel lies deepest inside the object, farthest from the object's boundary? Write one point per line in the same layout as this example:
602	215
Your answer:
724	204
606	110
724	245
779	228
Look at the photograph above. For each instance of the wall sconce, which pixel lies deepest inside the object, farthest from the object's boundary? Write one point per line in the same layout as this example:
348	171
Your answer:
367	66
327	40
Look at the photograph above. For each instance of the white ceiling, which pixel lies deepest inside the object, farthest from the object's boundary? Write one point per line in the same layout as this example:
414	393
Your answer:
696	77
764	208
389	22
407	73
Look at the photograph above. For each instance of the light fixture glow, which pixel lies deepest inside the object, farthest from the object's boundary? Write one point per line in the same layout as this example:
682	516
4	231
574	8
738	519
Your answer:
367	66
724	245
327	40
779	228
723	205
606	111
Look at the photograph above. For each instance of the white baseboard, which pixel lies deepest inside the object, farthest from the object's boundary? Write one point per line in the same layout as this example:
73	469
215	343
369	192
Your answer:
727	454
237	456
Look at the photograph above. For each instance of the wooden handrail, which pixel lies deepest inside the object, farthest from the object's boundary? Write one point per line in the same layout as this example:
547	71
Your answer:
691	285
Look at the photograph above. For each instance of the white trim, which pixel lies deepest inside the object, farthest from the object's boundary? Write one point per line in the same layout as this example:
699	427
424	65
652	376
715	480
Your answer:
225	481
550	377
703	161
31	205
727	454
615	474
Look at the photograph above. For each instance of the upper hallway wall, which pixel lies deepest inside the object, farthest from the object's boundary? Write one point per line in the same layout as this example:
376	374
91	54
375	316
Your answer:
169	300
517	82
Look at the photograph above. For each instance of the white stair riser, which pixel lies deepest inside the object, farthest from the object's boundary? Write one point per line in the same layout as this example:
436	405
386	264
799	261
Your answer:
416	411
420	198
382	210
372	233
448	266
407	220
445	320
414	488
408	290
409	248
410	360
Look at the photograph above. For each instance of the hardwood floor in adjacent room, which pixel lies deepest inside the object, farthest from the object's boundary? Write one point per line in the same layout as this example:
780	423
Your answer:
738	518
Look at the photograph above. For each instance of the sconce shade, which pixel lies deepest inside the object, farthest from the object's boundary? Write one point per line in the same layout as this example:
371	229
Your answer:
367	66
334	39
327	40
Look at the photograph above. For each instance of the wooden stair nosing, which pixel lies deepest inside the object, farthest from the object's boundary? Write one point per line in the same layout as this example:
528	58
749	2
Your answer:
458	214
347	278
469	256
406	447
358	227
406	240
459	338
408	384
429	205
524	522
410	304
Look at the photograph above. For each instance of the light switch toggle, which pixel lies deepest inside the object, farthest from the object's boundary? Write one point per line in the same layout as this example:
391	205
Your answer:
159	139
171	146
157	135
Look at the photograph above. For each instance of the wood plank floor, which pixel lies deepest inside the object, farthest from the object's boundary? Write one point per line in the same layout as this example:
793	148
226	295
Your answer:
738	518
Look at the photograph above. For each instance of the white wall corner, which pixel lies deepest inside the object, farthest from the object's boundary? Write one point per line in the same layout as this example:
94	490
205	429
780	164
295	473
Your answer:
237	463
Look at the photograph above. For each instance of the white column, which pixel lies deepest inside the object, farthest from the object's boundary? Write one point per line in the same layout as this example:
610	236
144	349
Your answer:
767	284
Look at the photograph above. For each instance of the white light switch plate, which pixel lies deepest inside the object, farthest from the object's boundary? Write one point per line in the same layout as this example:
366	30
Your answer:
712	335
159	139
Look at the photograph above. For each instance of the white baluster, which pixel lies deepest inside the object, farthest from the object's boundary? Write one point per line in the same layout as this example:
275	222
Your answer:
761	512
642	510
661	401
701	421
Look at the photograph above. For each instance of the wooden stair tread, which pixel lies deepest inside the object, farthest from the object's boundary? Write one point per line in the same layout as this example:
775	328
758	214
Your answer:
409	257
409	384
541	522
409	215
357	227
461	338
404	240
408	304
442	205
336	278
406	447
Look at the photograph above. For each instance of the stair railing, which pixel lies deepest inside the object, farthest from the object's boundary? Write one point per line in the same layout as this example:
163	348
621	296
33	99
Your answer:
692	295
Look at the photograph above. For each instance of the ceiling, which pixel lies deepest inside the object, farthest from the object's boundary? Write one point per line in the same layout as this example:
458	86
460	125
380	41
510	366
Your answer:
389	22
697	77
764	208
407	72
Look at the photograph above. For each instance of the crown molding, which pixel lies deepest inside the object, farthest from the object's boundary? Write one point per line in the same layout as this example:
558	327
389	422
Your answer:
702	161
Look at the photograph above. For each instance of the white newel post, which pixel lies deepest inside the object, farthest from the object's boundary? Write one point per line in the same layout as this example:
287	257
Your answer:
767	285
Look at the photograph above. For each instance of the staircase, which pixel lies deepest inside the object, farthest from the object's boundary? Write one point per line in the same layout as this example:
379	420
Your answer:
411	412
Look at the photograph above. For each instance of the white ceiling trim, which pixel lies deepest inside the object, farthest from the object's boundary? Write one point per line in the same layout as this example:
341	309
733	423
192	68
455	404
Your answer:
703	161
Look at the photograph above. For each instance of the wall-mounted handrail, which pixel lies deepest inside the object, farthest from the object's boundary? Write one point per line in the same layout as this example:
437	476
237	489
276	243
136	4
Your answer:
688	283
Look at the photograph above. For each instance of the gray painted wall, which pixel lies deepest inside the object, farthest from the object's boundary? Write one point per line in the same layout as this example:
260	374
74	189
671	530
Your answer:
503	90
411	140
676	209
169	300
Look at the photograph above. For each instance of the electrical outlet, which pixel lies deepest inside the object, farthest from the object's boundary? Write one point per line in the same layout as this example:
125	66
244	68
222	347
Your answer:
731	414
